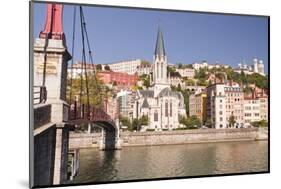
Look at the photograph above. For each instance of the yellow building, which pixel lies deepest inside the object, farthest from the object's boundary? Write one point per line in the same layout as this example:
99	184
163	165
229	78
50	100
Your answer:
197	106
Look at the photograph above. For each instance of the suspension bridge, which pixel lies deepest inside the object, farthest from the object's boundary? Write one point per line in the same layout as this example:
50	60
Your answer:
57	108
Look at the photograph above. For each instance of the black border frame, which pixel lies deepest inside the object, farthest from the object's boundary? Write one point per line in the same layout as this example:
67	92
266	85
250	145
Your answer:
31	141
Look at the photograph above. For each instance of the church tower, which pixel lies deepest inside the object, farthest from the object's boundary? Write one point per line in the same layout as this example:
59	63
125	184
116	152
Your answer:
160	79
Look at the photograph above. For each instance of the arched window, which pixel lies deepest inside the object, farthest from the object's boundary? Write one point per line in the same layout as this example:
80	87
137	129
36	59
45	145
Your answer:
161	69
166	108
157	65
155	115
171	109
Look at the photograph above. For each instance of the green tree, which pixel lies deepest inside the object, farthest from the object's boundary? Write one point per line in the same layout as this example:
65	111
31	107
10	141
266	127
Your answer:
99	67
126	122
202	82
171	70
261	123
96	90
145	78
135	124
179	87
208	123
107	68
231	120
179	65
190	122
190	82
201	74
143	120
185	95
145	63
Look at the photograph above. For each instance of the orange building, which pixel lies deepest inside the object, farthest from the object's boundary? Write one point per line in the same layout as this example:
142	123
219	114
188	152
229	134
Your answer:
117	78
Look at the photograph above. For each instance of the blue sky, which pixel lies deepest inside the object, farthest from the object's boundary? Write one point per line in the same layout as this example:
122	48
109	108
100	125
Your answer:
121	34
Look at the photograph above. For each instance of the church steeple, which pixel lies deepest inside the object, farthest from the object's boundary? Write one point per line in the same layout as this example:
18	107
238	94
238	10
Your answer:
159	49
160	79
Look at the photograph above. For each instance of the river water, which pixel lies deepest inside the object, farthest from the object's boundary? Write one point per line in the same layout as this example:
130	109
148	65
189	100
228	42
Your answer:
172	161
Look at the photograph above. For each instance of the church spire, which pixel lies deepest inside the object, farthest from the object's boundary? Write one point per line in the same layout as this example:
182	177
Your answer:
159	49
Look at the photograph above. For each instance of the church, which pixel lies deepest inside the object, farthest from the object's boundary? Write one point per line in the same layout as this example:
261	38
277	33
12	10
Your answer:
162	105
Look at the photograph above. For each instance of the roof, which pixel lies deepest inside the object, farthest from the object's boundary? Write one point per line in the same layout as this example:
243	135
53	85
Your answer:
147	93
159	49
168	92
145	104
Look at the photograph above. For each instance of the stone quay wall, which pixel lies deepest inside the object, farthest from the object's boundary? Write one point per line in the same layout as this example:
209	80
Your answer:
81	140
84	140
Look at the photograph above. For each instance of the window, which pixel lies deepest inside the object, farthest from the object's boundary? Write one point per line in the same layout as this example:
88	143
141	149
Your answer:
220	112
257	114
161	69
166	109
155	115
221	119
171	107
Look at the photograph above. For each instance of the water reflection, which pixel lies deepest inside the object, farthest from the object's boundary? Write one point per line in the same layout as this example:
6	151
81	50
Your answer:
172	160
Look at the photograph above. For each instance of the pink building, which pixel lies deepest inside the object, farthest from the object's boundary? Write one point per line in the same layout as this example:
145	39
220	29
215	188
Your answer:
118	78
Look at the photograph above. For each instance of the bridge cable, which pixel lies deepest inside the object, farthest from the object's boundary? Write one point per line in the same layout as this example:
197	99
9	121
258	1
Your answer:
90	54
72	53
84	59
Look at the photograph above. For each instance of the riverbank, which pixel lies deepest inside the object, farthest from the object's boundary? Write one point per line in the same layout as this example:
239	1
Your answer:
84	140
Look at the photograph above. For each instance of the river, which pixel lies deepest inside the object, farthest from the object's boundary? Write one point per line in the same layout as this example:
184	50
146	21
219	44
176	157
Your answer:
172	161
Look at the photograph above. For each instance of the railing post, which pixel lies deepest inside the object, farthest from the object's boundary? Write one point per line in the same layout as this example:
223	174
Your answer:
82	112
75	109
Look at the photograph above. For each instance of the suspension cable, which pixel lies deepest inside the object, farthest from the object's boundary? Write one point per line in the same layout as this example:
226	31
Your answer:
90	53
72	51
84	57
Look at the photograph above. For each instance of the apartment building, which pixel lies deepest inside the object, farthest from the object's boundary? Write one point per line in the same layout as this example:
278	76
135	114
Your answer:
197	106
129	66
186	72
255	108
223	101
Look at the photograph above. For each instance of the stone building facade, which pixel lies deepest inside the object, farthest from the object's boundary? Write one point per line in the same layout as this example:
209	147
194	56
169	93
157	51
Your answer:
127	66
223	101
197	106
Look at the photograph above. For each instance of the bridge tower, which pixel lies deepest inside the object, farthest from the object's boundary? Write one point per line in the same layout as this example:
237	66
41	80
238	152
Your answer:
50	71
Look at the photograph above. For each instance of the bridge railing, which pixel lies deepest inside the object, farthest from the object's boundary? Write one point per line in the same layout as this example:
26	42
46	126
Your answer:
90	113
39	94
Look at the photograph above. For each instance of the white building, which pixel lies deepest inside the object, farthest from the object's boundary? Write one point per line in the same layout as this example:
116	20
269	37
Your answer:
129	66
125	103
186	72
144	69
162	105
76	69
205	64
223	101
256	67
255	108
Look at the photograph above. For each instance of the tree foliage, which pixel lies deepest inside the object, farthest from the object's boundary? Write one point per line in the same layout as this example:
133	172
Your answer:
201	74
97	91
145	78
99	67
190	122
262	123
107	68
231	120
